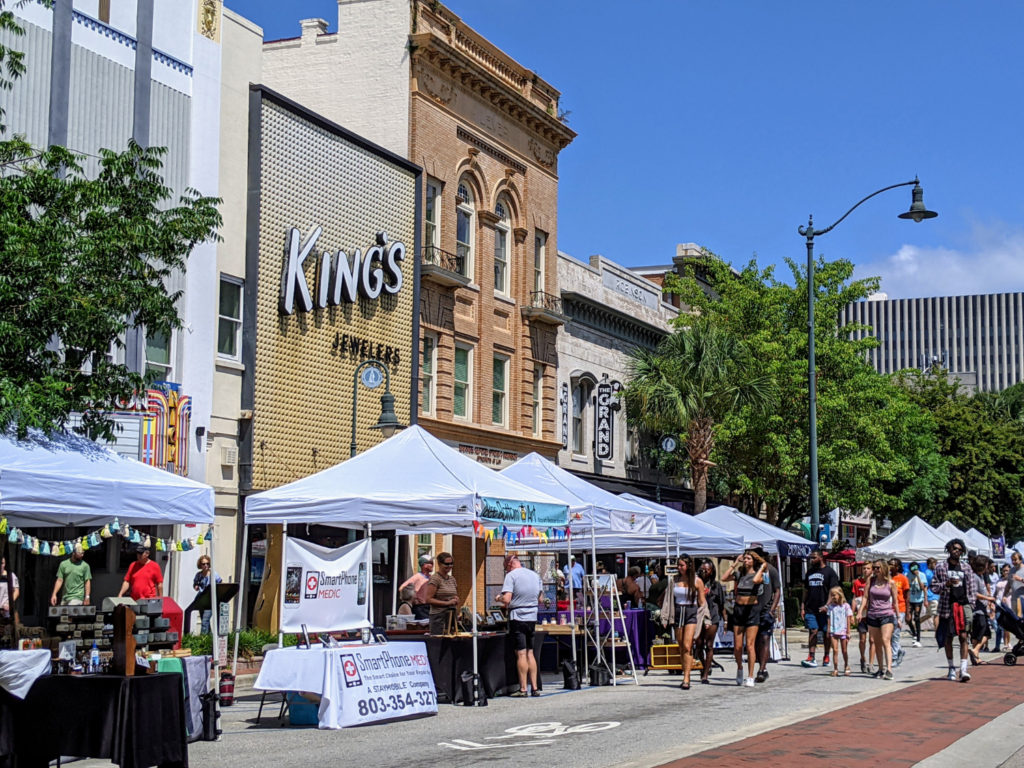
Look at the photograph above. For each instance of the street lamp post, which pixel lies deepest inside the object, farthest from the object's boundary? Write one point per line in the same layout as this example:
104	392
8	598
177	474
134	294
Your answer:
374	373
917	213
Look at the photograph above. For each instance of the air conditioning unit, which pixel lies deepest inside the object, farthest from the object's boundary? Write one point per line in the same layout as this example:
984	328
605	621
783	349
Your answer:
228	455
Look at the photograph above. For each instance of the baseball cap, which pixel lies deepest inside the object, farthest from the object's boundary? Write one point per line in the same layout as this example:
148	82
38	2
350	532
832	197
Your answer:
140	549
424	559
913	566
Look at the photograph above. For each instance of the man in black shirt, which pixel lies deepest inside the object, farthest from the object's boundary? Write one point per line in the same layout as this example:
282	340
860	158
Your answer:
819	580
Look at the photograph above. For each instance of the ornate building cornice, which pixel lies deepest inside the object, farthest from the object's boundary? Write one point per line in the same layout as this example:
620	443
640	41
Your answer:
474	64
583	311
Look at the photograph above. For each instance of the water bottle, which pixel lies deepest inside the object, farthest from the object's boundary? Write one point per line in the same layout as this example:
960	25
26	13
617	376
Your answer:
94	658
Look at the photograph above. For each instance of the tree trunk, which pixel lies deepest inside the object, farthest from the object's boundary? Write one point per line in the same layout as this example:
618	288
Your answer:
700	440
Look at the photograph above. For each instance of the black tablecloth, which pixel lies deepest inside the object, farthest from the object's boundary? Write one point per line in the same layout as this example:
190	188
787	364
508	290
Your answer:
136	722
451	656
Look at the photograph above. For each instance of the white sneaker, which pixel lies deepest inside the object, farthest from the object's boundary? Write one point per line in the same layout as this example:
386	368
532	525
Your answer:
951	675
739	678
749	683
965	676
917	644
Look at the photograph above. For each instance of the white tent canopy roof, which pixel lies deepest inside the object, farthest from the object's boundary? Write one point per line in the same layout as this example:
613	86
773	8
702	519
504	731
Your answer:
950	531
593	506
978	541
67	479
695	537
410	482
915	540
754	531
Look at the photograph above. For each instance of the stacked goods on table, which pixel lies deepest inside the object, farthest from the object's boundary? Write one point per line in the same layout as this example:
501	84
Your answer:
81	623
152	628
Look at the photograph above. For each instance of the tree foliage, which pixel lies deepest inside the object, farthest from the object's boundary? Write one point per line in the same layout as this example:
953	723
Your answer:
697	376
876	446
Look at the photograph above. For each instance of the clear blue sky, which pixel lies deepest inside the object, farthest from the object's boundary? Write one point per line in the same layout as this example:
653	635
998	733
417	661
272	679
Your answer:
727	123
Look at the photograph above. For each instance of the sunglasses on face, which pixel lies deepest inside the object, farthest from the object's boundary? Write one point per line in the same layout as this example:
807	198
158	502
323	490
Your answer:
448	564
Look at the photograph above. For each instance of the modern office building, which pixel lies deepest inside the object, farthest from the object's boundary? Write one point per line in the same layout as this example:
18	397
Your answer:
978	339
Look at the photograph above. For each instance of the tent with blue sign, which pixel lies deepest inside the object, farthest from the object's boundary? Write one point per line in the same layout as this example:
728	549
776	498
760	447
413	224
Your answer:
773	539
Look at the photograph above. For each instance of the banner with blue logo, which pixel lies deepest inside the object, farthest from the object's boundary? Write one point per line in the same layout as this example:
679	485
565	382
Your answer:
515	514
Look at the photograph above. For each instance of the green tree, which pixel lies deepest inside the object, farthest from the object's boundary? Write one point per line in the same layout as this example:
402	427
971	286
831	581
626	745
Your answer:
81	261
876	447
696	377
982	440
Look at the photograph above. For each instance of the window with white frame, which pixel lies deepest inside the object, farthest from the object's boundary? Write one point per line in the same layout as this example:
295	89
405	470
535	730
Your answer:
540	244
580	397
537	405
158	356
424	546
229	319
462	396
464	234
428	372
432	215
499	391
502	231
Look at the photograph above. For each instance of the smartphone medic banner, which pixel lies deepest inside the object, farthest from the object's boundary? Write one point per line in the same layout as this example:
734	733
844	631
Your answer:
325	589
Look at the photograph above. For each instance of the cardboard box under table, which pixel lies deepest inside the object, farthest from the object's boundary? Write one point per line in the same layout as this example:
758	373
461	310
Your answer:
357	683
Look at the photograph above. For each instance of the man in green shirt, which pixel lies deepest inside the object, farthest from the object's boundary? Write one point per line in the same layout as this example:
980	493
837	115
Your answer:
75	576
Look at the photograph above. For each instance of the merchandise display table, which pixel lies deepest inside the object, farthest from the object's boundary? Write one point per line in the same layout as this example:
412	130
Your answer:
135	722
451	656
357	684
632	622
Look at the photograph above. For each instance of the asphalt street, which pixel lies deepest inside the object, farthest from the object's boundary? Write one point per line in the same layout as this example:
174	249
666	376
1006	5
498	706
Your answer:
627	725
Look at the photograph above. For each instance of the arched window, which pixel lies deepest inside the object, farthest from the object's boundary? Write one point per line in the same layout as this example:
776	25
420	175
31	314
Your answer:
581	389
464	212
502	248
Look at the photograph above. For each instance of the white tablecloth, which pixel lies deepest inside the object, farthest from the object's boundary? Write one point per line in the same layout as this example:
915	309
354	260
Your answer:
19	669
357	683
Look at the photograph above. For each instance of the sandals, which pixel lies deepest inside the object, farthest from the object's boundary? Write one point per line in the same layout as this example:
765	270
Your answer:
684	686
975	659
846	672
835	673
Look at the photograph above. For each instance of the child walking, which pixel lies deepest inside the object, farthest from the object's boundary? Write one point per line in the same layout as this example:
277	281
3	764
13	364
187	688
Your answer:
839	617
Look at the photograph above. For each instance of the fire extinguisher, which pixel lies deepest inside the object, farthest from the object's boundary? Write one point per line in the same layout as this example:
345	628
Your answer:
227	689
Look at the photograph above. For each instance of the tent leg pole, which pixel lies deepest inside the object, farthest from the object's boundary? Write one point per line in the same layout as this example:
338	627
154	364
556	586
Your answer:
284	569
472	611
369	573
215	631
394	581
572	596
240	598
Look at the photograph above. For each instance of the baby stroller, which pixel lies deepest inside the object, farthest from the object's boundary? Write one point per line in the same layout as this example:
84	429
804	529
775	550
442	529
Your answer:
1011	623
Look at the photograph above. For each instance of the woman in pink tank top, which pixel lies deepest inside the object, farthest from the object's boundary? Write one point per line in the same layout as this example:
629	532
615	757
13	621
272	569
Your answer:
879	607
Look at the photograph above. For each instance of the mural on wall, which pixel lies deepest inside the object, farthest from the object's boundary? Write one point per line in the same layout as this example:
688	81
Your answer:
165	428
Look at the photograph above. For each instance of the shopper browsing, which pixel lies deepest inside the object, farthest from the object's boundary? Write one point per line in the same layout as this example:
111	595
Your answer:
418	583
521	592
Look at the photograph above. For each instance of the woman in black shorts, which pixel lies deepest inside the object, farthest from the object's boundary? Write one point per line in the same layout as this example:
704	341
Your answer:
679	609
714	597
747	575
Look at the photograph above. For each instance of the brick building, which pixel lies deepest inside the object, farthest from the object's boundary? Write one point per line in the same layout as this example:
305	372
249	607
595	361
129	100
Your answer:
414	78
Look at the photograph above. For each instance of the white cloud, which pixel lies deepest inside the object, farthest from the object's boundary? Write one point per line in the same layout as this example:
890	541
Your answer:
991	261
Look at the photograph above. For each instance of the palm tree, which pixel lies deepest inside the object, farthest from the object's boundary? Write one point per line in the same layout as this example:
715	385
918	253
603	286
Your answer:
688	385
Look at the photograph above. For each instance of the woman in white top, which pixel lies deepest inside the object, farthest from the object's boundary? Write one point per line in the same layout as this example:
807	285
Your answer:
679	606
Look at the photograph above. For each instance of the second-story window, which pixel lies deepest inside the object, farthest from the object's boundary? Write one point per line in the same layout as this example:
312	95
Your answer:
428	374
502	232
464	229
432	215
540	244
158	356
462	395
499	394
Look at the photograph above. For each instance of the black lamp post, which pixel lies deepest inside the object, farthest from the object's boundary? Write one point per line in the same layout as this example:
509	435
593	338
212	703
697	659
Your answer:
917	213
374	372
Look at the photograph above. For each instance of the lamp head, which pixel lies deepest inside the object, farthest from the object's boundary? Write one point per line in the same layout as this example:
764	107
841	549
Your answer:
917	210
388	422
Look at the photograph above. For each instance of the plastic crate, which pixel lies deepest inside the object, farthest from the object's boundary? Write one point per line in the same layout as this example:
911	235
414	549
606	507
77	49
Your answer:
666	657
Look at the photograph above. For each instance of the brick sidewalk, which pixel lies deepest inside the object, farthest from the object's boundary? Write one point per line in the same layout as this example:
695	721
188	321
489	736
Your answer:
896	729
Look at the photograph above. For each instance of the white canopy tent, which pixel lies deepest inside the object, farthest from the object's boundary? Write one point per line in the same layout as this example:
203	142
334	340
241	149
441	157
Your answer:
67	479
411	482
773	540
693	536
609	519
978	541
915	540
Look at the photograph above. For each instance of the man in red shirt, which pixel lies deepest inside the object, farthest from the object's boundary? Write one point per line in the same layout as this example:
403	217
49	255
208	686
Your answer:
144	578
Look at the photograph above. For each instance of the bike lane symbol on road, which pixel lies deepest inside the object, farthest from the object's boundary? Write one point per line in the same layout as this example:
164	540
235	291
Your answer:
533	733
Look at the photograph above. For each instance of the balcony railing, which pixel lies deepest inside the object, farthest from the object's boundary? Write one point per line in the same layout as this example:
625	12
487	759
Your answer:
545	308
548	302
449	261
443	267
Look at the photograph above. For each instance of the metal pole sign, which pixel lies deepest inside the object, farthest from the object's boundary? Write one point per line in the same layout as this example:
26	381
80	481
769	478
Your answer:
604	417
